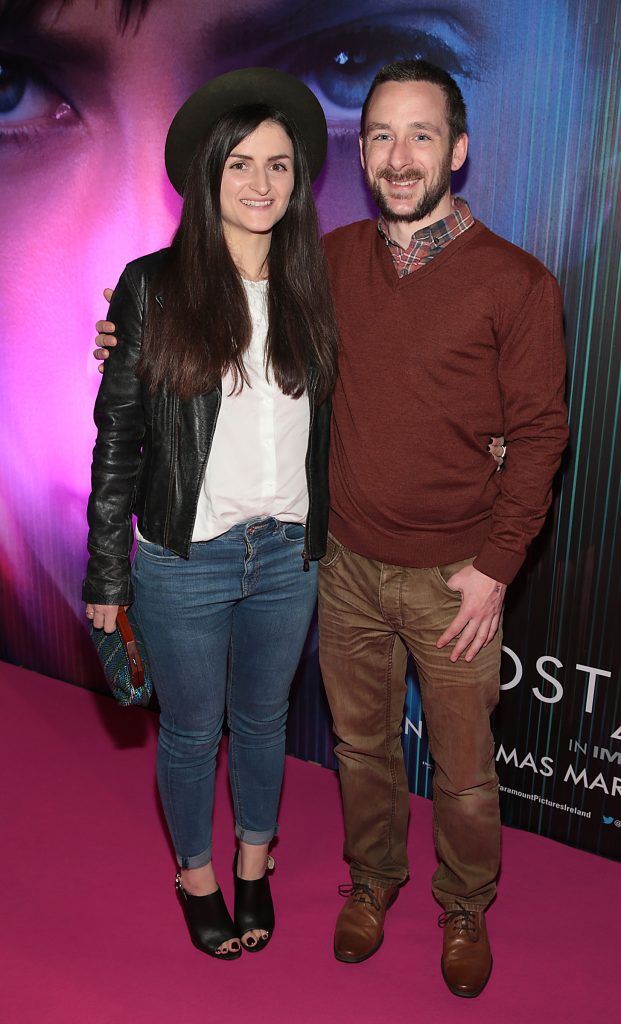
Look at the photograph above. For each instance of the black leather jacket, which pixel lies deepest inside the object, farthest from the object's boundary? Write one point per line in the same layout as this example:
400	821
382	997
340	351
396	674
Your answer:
151	452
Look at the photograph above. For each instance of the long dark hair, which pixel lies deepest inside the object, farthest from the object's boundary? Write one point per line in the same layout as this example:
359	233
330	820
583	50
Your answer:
204	327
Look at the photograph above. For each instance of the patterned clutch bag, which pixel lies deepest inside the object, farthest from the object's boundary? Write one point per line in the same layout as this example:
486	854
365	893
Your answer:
124	661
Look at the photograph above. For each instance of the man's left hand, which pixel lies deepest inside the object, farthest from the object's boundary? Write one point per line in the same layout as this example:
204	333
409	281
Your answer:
478	618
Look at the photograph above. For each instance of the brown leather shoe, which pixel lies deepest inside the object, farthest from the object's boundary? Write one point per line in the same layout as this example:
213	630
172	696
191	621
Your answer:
359	929
466	956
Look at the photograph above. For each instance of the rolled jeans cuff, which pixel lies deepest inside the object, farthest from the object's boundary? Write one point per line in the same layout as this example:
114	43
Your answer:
246	835
198	861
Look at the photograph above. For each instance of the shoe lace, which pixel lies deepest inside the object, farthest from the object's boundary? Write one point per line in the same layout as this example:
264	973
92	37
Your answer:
463	920
361	893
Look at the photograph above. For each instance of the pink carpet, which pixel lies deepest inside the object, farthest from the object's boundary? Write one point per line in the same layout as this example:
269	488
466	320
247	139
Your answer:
91	932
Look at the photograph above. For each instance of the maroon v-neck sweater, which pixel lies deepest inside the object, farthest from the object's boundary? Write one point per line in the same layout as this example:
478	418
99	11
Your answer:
431	366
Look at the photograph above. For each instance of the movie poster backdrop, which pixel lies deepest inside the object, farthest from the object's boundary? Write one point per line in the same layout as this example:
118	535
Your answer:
87	90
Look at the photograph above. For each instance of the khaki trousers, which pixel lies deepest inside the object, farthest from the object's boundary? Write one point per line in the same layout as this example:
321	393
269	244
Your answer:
370	615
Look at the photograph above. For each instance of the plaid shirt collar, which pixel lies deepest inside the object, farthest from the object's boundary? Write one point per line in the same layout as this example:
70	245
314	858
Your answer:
428	242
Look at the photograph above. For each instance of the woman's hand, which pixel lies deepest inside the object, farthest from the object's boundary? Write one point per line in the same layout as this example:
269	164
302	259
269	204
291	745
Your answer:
496	446
103	616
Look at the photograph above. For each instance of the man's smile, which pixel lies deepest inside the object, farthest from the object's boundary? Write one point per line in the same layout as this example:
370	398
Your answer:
403	184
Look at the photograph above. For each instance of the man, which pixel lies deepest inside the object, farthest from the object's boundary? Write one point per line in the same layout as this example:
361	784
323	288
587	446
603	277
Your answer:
449	335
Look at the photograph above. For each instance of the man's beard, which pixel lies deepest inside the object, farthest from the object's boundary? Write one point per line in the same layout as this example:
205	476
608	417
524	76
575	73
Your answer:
427	203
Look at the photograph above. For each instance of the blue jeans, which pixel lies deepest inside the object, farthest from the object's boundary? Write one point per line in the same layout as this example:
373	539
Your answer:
224	630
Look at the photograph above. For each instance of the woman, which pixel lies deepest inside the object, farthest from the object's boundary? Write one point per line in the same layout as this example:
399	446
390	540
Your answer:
213	428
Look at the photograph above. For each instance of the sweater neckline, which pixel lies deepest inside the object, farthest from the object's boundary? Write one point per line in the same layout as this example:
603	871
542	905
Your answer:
388	267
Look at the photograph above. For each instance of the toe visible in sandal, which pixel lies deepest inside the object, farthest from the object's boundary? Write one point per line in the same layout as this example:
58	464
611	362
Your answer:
254	909
209	922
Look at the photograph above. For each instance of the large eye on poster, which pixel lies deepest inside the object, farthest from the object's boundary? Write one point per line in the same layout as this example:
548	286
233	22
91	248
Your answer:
87	91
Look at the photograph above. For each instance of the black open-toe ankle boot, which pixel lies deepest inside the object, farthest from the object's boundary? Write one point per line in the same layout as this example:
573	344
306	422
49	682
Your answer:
253	906
208	921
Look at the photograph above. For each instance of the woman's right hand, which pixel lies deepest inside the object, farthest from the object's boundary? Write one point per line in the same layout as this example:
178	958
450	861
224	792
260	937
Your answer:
103	616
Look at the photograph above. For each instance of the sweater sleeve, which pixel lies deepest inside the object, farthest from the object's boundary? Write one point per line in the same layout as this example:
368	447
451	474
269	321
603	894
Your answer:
531	372
119	417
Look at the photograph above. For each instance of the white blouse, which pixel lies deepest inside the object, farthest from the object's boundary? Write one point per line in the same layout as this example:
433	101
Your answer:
257	462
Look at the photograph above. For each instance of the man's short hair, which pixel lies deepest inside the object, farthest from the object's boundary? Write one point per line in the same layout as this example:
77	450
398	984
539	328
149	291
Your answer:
423	71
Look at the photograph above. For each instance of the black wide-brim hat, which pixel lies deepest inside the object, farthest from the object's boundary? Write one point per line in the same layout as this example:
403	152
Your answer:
237	89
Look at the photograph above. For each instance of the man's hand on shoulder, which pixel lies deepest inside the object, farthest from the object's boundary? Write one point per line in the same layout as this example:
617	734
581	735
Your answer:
105	334
478	618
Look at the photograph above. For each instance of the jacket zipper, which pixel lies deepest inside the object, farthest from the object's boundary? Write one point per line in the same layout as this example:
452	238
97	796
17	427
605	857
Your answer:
173	462
218	391
311	402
